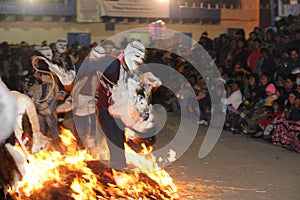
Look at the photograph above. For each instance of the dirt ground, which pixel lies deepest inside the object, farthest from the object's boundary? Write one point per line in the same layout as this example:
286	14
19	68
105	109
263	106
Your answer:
238	168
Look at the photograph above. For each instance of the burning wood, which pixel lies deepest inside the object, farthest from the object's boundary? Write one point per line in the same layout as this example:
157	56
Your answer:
77	175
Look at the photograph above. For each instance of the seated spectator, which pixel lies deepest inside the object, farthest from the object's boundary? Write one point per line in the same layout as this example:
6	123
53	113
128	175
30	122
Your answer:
276	111
265	63
218	108
253	87
265	80
279	81
204	106
235	99
233	102
246	109
293	61
261	113
287	129
289	85
228	88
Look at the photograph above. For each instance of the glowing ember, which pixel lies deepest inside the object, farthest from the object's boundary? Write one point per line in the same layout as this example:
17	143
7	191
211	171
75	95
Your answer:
75	174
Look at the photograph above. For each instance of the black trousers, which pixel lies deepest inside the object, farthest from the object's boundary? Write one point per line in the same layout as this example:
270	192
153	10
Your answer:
114	132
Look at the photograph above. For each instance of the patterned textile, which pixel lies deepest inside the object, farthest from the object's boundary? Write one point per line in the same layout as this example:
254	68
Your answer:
286	134
244	114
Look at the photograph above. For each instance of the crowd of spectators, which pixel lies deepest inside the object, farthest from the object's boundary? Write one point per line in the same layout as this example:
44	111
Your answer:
260	72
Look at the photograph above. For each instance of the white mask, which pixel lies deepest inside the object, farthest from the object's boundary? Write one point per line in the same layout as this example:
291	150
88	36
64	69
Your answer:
47	52
61	45
134	53
97	52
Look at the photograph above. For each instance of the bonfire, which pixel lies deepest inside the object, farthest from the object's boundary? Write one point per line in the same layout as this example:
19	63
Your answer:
76	174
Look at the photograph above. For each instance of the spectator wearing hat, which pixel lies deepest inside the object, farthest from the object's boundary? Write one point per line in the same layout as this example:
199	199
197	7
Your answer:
271	94
206	42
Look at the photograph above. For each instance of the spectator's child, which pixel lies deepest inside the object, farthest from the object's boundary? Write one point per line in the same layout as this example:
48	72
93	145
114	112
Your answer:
262	112
276	111
235	99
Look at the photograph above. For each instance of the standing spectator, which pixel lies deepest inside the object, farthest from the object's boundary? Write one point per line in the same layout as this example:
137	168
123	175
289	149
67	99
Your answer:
4	64
220	46
250	41
229	53
265	63
15	71
241	54
295	43
206	42
254	55
268	35
259	31
278	43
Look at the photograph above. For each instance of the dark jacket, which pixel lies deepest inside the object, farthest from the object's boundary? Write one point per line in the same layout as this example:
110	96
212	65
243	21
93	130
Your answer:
110	75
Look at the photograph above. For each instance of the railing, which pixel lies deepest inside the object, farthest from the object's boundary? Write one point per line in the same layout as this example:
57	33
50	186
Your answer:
211	4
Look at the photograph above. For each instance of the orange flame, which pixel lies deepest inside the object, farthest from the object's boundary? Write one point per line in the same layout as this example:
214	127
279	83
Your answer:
147	181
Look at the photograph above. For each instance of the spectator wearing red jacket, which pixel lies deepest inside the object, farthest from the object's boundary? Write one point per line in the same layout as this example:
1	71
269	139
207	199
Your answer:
255	55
